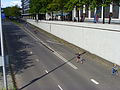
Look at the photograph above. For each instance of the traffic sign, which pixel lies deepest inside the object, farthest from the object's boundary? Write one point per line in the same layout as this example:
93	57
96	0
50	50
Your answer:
6	60
3	16
1	61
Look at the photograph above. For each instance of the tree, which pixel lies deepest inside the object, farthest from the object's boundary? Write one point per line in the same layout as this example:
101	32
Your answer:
6	11
35	6
15	11
38	6
117	2
43	6
78	4
57	5
12	11
70	5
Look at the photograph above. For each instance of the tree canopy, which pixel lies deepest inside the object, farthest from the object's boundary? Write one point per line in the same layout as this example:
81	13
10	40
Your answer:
56	5
12	11
42	6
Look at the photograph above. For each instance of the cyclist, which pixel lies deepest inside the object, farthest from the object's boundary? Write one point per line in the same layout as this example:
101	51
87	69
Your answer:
79	58
114	70
35	32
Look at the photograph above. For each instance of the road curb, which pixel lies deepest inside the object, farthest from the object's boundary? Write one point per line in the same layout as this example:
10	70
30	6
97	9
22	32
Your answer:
10	66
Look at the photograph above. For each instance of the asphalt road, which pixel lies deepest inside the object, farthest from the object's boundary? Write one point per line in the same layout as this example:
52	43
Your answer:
38	68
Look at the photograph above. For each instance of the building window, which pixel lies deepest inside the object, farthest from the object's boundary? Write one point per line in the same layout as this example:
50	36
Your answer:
92	14
115	11
99	11
86	13
107	12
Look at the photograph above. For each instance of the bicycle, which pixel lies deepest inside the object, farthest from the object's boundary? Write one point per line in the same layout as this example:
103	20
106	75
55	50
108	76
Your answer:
115	70
79	57
82	61
35	32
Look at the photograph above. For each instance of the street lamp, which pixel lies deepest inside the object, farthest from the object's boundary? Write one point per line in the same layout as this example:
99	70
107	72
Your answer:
103	1
111	12
78	8
2	52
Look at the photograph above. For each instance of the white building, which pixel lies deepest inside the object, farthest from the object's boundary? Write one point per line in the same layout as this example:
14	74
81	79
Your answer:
89	15
25	7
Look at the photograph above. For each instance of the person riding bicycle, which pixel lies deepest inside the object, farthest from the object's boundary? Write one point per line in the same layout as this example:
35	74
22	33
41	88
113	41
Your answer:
79	58
35	31
114	70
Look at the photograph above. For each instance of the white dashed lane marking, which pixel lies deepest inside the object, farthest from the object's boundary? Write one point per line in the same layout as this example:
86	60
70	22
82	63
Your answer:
58	55
46	71
31	52
62	58
60	87
37	60
94	81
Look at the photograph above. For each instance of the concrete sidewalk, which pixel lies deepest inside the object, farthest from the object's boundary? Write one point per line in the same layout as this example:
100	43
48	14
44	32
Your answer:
9	82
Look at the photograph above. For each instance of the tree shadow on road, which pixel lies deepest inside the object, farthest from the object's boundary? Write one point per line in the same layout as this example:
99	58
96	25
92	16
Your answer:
16	48
38	78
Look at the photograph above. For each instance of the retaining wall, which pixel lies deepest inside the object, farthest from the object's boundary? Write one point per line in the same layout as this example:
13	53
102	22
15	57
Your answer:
100	39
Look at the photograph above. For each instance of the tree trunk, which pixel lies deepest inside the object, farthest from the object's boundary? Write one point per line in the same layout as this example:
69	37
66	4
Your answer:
62	15
52	16
103	15
78	16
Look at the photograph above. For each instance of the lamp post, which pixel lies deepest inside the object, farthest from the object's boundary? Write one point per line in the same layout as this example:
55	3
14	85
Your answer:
78	12
111	13
83	13
2	52
103	11
119	10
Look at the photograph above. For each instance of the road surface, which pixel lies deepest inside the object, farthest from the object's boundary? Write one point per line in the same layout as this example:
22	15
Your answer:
37	67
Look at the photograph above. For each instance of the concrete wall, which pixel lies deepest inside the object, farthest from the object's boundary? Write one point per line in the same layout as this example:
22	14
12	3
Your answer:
100	39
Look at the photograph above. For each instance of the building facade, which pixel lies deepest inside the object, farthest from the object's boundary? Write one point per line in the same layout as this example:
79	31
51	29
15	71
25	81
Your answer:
25	7
90	14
